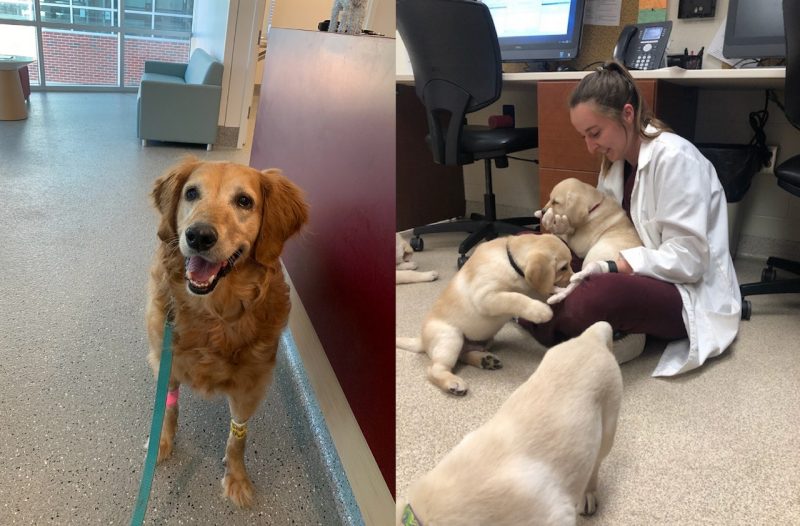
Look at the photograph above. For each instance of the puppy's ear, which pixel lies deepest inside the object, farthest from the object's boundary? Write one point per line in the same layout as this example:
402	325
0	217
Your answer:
540	273
284	212
167	194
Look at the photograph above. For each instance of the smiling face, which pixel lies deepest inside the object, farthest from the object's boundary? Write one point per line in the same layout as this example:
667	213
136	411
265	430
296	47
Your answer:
610	137
218	221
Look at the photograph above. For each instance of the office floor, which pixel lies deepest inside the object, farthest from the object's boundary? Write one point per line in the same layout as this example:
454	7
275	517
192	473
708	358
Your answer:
76	393
717	446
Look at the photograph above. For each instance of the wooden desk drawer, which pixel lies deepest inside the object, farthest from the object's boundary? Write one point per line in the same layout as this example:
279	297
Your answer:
560	145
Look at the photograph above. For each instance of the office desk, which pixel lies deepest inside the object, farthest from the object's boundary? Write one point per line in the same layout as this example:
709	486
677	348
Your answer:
746	78
12	99
670	92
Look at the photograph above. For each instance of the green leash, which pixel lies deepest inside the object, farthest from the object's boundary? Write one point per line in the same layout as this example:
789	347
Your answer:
155	427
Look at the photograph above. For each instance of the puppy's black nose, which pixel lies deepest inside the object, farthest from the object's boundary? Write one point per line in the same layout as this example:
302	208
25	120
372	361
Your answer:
201	236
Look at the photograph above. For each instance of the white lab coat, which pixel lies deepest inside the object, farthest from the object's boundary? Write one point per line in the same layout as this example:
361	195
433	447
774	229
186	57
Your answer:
679	209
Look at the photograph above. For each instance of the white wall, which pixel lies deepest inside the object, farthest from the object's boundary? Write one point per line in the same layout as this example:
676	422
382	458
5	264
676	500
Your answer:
307	14
209	32
228	30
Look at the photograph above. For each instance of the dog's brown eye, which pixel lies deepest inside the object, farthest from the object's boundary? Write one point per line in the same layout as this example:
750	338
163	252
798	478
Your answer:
191	193
245	201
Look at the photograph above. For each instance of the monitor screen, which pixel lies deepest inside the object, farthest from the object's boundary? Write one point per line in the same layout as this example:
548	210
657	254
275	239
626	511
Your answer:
754	29
534	30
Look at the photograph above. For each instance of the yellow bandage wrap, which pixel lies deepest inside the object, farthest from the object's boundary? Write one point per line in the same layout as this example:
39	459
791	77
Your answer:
238	430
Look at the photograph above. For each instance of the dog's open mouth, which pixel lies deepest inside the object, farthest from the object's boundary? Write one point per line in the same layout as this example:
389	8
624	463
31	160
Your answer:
203	275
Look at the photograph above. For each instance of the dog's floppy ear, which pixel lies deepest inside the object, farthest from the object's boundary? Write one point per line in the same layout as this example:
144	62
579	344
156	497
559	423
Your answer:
167	194
540	273
284	212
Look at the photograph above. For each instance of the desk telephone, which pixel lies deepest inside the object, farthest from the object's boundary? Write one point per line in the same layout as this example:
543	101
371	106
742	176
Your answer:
643	46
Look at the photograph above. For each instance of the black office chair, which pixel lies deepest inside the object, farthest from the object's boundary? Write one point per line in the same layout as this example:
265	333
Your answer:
788	172
455	56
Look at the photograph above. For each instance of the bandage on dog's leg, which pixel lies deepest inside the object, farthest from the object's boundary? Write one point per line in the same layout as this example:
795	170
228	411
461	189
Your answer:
172	397
239	430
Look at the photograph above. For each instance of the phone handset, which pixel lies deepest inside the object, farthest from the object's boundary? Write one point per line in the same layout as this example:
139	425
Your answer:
623	43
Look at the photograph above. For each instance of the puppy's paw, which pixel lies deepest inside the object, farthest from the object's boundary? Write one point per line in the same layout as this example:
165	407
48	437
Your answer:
539	313
589	504
239	489
457	387
431	275
491	362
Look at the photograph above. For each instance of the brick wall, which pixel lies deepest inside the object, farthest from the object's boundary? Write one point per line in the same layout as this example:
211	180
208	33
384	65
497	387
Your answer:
86	59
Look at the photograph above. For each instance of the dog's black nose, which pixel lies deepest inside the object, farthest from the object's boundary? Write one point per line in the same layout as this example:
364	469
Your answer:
201	236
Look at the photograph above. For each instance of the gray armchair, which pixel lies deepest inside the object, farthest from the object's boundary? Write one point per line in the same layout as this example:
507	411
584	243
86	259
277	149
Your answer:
180	101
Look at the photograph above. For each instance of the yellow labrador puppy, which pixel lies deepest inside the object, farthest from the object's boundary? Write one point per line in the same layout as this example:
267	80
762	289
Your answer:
536	460
597	227
405	269
504	278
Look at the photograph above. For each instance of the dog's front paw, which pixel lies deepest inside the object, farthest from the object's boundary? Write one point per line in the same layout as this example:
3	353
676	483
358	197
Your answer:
589	504
539	312
164	449
239	489
491	362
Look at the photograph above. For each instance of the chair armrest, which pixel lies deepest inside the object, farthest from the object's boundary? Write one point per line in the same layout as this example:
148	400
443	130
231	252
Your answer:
175	69
197	93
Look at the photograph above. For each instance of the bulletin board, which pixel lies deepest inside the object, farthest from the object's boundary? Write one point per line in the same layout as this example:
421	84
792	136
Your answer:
597	42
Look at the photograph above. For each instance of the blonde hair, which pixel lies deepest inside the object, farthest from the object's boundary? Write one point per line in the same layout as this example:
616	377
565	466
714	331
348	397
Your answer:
610	88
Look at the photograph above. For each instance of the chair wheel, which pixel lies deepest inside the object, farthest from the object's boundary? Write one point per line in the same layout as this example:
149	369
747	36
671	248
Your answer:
768	274
746	309
461	260
416	244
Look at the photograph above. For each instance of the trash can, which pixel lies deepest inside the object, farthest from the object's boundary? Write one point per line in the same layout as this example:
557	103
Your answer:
736	164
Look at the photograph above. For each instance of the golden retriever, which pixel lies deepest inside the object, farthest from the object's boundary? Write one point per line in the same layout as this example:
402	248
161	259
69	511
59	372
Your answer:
216	273
495	284
536	460
599	227
405	269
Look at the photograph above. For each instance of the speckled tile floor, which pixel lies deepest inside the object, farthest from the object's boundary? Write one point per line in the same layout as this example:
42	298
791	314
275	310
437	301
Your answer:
76	393
716	446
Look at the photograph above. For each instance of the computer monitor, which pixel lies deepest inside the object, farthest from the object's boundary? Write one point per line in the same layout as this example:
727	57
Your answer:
537	30
754	29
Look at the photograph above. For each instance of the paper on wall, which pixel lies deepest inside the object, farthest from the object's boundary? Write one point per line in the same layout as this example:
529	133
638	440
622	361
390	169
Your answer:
715	47
602	12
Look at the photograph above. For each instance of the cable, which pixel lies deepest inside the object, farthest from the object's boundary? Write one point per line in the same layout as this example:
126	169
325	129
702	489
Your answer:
758	119
587	66
774	98
535	161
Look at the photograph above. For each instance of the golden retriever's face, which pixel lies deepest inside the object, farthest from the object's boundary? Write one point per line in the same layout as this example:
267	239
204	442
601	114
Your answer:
218	219
573	198
221	214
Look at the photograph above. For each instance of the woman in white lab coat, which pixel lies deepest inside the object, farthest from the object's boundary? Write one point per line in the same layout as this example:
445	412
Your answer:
681	285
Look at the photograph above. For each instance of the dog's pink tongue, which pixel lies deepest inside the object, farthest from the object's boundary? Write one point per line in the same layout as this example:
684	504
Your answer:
200	270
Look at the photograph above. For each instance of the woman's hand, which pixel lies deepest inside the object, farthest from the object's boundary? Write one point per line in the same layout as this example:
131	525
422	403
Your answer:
553	223
595	267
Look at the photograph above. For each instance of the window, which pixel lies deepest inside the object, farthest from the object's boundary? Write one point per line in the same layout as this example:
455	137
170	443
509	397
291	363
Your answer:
100	43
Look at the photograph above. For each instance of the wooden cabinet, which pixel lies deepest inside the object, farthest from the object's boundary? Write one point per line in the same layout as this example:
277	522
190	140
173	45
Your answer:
562	151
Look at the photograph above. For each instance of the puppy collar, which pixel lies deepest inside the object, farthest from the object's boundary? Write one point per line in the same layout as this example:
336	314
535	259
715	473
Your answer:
408	518
513	263
592	209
